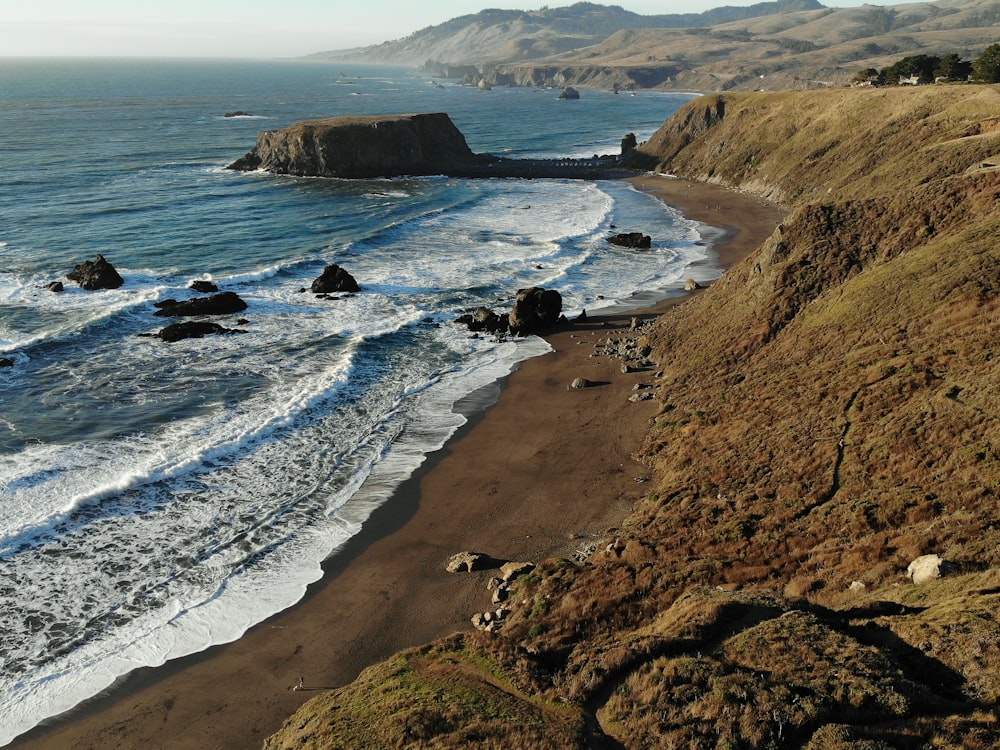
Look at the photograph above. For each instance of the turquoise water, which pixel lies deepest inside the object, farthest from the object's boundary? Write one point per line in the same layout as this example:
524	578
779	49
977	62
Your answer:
156	499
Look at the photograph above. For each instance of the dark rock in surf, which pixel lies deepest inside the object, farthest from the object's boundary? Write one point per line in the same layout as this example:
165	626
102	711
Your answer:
239	113
636	240
55	286
193	329
569	93
334	279
96	274
483	319
535	310
6	362
218	304
203	287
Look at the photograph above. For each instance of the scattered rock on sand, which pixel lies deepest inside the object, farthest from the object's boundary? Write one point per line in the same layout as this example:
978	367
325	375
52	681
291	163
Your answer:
510	571
641	396
467	561
580	383
691	284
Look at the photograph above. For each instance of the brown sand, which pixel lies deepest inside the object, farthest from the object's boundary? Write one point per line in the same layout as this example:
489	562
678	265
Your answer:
543	472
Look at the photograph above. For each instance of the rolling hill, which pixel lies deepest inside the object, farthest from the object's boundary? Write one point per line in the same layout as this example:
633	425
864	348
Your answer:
777	45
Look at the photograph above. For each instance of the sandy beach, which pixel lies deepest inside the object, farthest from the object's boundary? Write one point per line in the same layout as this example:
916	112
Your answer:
543	472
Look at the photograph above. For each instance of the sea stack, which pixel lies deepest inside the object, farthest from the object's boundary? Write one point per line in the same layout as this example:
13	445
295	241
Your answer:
352	147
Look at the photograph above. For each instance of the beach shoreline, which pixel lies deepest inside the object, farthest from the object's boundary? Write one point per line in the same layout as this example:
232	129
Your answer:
543	472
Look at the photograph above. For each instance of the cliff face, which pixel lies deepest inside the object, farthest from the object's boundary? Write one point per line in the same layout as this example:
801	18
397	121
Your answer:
830	411
411	144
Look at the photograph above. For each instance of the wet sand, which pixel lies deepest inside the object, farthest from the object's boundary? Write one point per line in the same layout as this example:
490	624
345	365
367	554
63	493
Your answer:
543	472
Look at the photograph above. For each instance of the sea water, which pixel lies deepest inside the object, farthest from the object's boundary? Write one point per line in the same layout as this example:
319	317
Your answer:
156	498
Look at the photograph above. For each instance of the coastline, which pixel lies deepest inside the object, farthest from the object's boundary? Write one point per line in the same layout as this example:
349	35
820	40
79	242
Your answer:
542	472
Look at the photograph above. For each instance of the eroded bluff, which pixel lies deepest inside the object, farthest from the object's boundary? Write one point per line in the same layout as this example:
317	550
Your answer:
383	146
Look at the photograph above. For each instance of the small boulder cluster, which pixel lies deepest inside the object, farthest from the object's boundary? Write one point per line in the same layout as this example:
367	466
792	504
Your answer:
100	274
634	351
535	310
492	619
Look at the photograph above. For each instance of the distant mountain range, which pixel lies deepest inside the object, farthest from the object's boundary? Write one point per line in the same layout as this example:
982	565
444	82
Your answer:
783	44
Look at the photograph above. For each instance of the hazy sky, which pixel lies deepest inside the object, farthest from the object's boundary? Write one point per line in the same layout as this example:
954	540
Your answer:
249	28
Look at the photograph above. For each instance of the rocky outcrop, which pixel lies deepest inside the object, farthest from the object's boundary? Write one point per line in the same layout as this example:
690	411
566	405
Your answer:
350	147
535	310
96	274
218	304
569	93
334	279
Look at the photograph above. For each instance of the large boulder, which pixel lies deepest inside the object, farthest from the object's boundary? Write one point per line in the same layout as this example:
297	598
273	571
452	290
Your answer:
569	93
535	310
375	146
927	568
96	274
218	304
334	279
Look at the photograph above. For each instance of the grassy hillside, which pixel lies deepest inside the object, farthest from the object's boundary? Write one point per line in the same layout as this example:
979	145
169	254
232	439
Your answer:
789	44
829	411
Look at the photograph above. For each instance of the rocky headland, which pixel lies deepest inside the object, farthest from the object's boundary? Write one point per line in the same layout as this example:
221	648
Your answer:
411	144
397	145
826	430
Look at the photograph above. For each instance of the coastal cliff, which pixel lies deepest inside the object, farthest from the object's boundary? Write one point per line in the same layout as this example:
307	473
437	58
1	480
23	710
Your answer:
829	415
411	144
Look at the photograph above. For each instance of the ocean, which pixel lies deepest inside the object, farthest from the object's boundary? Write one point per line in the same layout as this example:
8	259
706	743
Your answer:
156	499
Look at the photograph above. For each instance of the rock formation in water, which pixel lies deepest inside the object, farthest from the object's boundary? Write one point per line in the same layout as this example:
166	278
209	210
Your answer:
636	240
376	146
334	279
224	303
96	274
535	310
192	329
